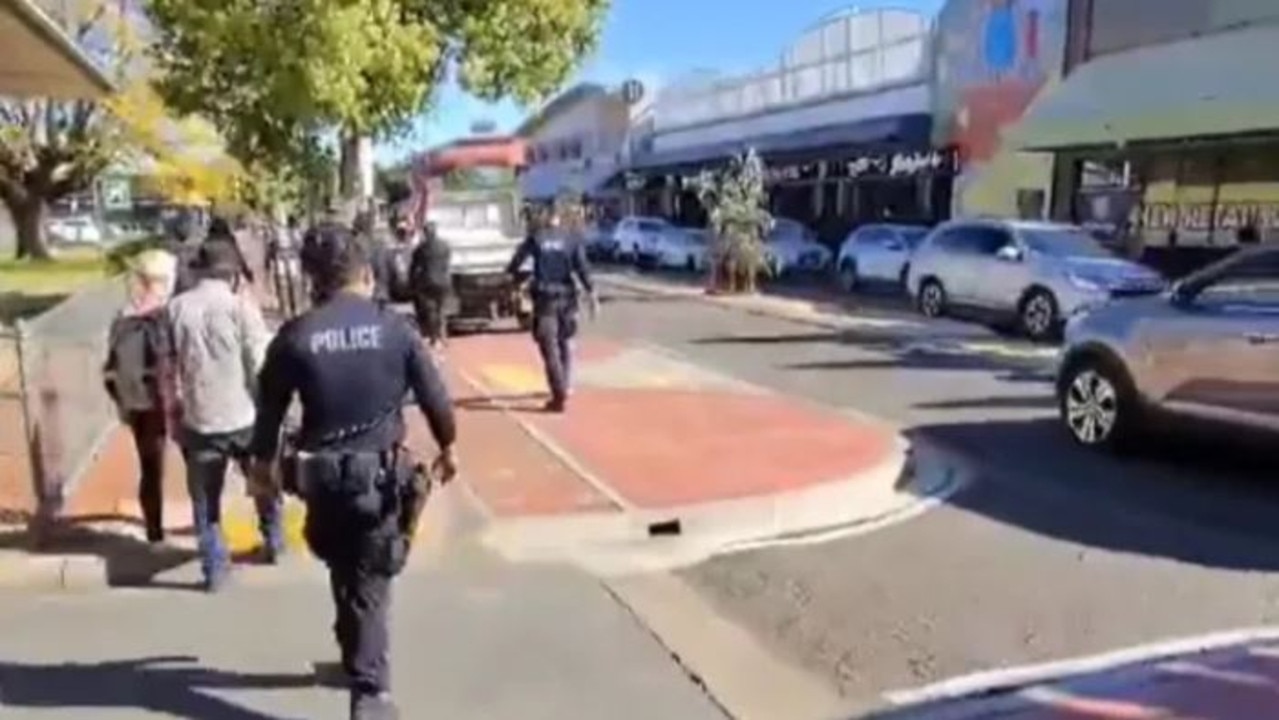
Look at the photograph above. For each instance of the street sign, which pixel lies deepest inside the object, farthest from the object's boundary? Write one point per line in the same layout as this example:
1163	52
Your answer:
116	194
632	91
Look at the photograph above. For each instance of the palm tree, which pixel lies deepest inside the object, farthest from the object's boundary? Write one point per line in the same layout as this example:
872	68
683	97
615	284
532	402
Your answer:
735	201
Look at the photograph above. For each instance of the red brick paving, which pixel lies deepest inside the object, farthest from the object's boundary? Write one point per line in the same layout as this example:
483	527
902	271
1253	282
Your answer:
517	348
661	448
509	471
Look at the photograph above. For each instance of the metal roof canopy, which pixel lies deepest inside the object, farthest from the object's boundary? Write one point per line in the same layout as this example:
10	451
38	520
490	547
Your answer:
40	60
1214	85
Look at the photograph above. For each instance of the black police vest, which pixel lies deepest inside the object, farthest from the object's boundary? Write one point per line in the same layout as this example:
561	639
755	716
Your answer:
553	267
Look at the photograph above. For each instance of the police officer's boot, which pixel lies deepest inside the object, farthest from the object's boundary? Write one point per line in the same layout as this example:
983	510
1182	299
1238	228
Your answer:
373	707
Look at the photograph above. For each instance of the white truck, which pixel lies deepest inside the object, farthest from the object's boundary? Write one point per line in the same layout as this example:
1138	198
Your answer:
483	229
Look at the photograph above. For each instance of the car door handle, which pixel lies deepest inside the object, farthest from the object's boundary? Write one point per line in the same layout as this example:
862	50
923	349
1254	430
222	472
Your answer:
1262	338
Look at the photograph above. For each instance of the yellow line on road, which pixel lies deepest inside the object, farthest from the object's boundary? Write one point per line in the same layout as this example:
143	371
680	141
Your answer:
515	379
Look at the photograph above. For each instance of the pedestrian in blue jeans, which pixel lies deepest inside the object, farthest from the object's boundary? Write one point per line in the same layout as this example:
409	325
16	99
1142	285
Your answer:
219	343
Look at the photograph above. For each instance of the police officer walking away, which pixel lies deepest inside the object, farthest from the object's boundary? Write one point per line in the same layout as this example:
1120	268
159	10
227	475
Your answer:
351	363
559	266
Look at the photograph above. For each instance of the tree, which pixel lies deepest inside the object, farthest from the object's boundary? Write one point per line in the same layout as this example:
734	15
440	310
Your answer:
736	204
270	75
50	149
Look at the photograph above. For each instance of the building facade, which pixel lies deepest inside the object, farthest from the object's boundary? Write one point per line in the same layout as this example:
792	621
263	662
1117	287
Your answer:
842	123
993	58
577	143
1166	129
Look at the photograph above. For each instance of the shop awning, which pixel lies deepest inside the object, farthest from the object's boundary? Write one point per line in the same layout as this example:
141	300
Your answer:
1215	85
812	144
40	60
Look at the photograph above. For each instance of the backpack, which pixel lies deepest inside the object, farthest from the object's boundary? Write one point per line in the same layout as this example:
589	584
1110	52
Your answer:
137	345
430	266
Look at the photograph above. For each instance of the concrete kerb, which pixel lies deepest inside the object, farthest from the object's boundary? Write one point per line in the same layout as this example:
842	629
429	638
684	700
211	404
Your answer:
52	573
801	312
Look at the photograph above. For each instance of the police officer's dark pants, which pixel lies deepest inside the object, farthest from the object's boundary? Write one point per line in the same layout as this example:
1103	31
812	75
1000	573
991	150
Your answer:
347	540
554	325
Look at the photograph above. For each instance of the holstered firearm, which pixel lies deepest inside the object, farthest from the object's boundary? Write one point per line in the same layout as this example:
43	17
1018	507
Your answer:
414	488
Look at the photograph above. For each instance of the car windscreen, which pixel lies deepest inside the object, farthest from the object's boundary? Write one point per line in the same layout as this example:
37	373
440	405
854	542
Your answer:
913	236
1064	242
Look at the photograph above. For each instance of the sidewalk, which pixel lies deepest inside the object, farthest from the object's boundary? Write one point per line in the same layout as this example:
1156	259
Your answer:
472	640
1236	681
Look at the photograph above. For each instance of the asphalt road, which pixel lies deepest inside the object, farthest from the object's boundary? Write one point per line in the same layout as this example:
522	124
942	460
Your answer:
1052	552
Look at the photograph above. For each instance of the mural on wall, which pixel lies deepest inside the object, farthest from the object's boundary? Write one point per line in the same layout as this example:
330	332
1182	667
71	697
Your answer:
994	57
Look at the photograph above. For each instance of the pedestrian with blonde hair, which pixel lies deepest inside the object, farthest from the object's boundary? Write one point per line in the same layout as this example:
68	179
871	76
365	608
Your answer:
139	375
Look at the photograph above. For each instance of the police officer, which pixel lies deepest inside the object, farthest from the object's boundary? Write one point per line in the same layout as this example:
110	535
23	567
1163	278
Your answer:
351	363
559	266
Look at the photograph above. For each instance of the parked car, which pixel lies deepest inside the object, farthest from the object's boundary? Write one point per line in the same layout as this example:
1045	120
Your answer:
75	230
1206	349
791	247
601	240
878	253
1032	274
674	247
631	230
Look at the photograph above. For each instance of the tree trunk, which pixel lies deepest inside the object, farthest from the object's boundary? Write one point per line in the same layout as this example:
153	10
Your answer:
28	222
357	167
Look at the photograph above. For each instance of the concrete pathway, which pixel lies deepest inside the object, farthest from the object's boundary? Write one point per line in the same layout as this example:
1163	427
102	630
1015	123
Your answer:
473	638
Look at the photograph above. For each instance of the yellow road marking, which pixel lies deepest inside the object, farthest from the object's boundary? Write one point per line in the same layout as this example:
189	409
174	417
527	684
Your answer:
1012	351
516	379
240	527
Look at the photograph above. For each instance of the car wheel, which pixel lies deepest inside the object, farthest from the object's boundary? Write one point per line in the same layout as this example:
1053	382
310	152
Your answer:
848	276
1098	404
932	298
1038	315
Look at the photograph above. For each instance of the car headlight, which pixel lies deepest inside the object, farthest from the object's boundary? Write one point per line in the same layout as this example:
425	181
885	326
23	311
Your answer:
1084	283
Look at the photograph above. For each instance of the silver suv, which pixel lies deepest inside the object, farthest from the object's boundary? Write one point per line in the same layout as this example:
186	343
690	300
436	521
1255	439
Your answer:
1034	274
1207	349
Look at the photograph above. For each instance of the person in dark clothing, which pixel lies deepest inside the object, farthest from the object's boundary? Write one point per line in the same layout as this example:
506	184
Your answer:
559	267
432	283
350	363
139	377
220	231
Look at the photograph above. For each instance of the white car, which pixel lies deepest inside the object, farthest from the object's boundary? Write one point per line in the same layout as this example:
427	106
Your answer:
792	247
75	230
877	254
675	247
631	230
1035	273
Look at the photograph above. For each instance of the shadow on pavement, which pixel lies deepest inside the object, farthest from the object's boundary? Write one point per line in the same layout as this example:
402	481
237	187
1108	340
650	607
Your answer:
1029	474
1030	402
171	685
130	561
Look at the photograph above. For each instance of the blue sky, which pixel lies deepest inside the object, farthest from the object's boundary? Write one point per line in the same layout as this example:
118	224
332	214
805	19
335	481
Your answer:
654	40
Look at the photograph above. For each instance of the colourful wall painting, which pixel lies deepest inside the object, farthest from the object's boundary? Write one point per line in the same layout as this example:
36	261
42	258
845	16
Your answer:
993	58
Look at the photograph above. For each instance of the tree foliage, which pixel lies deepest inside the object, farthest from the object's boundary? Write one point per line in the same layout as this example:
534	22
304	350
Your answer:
271	74
736	202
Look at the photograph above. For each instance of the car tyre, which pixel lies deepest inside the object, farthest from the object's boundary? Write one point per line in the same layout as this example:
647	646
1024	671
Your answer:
847	276
1098	404
1038	315
932	298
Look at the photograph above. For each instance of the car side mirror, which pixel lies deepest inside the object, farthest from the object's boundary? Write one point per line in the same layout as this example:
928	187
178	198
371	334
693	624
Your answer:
1009	253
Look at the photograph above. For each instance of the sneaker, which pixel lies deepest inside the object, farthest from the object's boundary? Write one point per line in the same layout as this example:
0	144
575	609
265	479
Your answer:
373	707
555	405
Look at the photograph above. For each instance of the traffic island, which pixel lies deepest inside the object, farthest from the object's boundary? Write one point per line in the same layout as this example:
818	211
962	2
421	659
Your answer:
669	463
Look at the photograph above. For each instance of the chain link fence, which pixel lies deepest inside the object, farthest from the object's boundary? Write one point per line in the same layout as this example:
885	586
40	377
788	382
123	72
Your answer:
53	407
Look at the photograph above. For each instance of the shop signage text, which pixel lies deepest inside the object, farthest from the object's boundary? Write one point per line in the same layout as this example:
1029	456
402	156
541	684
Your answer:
1202	217
900	164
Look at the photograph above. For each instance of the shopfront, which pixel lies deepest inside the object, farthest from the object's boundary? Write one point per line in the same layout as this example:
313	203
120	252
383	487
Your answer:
882	169
1172	146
